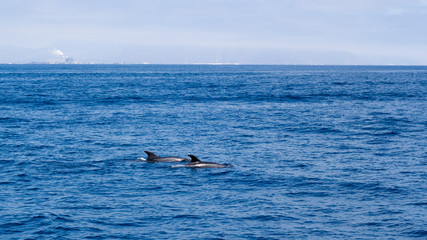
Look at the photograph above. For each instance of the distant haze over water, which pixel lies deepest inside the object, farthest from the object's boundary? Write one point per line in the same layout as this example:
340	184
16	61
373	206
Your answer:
196	55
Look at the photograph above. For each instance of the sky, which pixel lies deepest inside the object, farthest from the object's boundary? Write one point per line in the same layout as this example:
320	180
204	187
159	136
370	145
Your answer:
214	31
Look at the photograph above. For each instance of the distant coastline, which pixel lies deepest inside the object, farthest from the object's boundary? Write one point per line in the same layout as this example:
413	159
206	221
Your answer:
215	64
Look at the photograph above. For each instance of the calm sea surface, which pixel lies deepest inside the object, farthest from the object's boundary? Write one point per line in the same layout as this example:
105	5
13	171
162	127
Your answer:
319	152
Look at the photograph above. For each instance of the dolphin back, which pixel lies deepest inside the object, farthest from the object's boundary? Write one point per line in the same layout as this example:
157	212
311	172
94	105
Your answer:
151	155
194	158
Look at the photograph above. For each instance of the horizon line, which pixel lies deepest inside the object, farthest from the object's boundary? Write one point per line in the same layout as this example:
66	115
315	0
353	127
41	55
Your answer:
219	64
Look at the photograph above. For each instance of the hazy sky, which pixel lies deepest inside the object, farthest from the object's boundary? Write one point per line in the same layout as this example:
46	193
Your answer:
209	31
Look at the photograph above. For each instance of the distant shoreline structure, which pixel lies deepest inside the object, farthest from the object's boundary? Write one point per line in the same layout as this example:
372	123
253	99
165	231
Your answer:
209	64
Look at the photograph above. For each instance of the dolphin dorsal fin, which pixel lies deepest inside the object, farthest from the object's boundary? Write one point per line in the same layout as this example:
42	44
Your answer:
151	155
194	158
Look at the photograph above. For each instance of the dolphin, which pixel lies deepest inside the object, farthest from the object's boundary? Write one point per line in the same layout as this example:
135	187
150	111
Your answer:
197	163
154	158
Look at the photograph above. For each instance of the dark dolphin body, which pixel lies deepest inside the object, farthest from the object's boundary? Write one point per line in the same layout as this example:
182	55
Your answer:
154	158
197	163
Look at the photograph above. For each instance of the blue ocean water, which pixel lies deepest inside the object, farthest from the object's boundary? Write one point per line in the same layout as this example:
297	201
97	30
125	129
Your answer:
319	152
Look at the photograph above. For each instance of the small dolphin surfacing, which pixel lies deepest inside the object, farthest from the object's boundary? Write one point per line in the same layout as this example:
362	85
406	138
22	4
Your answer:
197	163
154	158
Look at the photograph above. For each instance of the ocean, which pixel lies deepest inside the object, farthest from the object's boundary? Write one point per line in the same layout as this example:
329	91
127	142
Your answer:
318	152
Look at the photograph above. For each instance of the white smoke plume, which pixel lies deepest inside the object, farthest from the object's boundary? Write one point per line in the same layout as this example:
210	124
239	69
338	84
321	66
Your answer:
65	58
58	52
